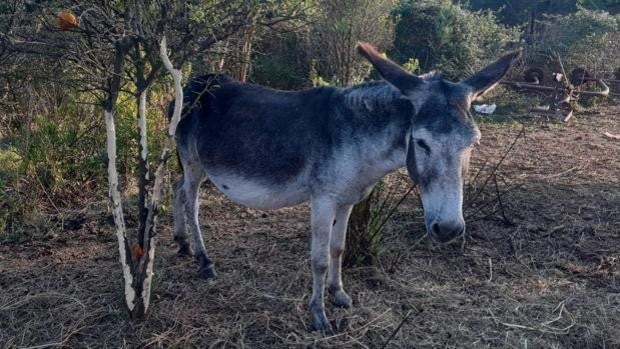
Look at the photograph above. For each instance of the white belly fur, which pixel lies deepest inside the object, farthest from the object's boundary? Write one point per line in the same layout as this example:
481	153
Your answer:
259	196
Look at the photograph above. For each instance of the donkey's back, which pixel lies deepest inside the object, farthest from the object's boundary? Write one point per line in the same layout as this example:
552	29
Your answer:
257	145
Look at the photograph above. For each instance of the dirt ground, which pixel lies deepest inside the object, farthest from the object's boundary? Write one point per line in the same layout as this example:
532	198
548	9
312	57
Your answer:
546	275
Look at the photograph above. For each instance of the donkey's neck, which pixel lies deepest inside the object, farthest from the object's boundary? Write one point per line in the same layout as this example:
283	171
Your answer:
376	100
378	119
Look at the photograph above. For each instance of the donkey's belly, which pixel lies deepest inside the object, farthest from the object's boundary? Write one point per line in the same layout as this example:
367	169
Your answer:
259	195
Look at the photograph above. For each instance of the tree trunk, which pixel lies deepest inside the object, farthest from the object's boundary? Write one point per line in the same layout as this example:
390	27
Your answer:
137	261
246	53
117	211
143	270
143	165
137	266
125	253
143	263
361	239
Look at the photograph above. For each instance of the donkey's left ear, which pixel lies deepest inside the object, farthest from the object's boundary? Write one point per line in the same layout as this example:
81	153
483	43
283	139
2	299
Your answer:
488	77
389	71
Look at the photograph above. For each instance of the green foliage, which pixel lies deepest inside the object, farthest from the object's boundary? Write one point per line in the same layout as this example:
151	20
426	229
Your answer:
585	25
315	78
59	147
59	155
611	6
588	39
337	28
448	37
288	69
520	12
412	65
10	163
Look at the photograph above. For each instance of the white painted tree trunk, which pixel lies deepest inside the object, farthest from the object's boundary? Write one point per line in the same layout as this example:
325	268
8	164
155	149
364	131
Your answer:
144	268
144	150
178	88
145	264
137	262
117	210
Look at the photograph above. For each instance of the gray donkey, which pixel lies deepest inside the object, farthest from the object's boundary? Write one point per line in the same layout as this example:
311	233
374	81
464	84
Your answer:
268	149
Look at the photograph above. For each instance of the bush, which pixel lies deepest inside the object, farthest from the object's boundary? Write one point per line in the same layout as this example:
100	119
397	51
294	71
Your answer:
52	153
449	37
588	39
287	69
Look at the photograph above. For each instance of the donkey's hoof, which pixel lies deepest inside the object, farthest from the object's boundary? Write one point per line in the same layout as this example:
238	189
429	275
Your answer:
184	251
320	322
342	299
207	272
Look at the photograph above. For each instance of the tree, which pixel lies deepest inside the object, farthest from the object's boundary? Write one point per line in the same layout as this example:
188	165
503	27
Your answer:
340	24
612	6
448	37
118	49
524	11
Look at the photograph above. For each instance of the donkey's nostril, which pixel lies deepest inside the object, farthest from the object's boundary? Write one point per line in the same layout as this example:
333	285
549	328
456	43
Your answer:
446	232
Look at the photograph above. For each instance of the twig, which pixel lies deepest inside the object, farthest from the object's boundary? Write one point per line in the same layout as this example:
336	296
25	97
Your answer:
490	270
560	173
486	204
499	163
397	329
358	329
543	327
499	200
392	210
46	345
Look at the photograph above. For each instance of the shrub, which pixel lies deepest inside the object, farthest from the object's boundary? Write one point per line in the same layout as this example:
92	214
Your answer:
53	157
287	69
588	39
448	37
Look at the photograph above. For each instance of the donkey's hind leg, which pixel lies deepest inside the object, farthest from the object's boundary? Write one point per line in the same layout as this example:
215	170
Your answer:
193	177
180	234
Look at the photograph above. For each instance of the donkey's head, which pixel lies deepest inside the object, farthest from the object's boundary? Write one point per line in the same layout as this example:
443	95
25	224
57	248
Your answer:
441	137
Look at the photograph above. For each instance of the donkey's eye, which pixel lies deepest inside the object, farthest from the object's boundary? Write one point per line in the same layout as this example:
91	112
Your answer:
423	145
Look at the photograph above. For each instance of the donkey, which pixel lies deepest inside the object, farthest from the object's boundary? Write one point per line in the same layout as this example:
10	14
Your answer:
269	149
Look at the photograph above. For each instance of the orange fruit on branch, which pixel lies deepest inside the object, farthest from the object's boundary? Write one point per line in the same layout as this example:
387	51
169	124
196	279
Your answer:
66	20
137	251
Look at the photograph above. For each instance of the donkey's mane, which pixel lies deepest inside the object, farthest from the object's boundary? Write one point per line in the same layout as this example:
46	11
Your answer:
375	100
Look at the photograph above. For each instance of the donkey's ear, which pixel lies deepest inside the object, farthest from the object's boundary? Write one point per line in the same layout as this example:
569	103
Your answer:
488	77
390	71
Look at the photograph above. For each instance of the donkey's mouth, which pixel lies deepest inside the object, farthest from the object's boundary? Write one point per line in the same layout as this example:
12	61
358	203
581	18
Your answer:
442	232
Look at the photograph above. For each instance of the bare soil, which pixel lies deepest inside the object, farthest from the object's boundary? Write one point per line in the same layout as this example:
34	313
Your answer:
545	274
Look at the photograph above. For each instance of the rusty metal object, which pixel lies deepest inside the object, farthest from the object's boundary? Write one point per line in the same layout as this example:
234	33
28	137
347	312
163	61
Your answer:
579	76
603	93
563	93
601	82
534	75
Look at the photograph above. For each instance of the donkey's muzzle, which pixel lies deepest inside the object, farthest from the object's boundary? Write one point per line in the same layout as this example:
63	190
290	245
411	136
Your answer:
444	232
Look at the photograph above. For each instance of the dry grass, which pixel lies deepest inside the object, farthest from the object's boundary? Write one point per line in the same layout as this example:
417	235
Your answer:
549	279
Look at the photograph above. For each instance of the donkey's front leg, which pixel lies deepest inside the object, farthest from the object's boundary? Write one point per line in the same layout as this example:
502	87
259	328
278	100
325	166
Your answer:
334	277
322	216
